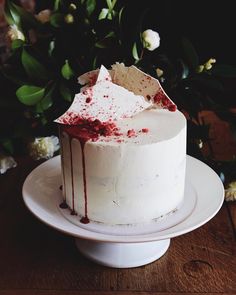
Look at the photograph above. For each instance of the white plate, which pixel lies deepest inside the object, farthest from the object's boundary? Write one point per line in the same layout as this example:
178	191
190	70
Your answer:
204	195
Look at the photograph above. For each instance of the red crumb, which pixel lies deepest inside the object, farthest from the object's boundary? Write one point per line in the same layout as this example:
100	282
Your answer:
162	99
131	133
145	130
88	99
172	108
119	140
117	134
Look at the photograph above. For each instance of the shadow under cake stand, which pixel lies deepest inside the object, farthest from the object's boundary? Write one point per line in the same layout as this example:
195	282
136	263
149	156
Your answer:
125	246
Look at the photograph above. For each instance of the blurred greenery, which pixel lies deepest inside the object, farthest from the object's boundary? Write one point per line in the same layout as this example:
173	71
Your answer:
40	75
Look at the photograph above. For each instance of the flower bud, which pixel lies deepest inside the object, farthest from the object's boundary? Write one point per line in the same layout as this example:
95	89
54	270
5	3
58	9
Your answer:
209	63
15	34
44	16
151	39
159	72
69	19
72	7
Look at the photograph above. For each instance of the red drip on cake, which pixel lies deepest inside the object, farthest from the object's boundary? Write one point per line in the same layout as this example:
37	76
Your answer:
85	130
72	180
63	205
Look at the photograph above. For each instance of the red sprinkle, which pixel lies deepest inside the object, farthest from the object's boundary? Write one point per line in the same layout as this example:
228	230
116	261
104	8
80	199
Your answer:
88	99
172	108
131	133
145	130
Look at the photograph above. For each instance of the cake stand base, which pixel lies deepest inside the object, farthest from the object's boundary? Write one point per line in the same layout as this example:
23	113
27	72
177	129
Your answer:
122	255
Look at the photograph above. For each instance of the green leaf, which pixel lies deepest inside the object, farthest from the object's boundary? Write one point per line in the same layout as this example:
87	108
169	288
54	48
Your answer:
103	14
120	14
104	43
10	17
57	20
47	101
65	92
25	16
13	75
184	69
67	71
56	4
94	66
90	6
190	54
110	35
51	47
135	52
109	4
32	67
30	95
17	44
226	71
17	15
7	145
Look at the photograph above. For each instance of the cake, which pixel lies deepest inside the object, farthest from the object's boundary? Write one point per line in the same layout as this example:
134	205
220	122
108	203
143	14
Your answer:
123	149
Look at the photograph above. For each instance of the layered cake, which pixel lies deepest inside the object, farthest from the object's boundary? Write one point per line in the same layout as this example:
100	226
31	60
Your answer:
123	149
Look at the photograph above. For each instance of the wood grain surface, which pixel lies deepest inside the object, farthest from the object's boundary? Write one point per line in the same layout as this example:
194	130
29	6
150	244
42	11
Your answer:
35	259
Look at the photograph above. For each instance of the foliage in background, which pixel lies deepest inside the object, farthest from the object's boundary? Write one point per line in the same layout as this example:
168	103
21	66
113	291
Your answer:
50	49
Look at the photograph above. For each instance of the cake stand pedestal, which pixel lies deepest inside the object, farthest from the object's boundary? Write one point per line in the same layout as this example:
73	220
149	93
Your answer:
125	246
122	255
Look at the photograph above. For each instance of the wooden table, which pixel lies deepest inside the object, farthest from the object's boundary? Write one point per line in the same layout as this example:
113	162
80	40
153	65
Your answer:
35	259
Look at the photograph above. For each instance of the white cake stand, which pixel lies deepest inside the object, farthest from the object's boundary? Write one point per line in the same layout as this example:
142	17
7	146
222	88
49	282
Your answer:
124	246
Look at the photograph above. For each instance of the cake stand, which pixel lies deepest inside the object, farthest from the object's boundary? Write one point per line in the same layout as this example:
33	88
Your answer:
125	246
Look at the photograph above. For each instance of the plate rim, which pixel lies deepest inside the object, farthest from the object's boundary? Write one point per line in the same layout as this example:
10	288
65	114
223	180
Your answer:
78	232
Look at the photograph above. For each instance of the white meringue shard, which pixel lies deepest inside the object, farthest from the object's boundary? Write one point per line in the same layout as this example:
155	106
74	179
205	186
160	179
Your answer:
141	83
135	81
105	101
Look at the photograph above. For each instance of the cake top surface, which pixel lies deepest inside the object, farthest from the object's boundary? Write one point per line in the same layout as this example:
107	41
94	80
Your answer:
148	127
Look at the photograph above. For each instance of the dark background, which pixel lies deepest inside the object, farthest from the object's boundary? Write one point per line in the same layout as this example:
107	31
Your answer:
210	25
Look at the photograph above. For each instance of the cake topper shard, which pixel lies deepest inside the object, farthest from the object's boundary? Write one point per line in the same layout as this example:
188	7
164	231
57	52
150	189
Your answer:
135	81
104	101
143	84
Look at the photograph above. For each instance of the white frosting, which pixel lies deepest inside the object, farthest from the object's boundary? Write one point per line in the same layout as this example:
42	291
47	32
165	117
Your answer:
138	174
137	180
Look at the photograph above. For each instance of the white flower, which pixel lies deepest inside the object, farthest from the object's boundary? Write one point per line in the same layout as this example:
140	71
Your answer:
14	33
151	39
230	192
200	144
43	147
44	16
159	72
6	162
209	63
